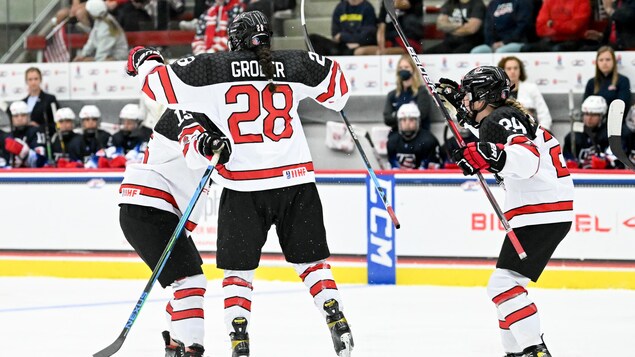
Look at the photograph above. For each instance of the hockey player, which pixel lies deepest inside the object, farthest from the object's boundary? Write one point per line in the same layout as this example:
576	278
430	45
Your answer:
130	142
153	196
84	147
411	148
65	123
252	94
25	143
592	145
538	202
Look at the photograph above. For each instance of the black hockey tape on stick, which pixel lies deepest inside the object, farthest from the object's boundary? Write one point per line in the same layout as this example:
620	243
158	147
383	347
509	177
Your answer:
369	168
116	345
390	9
615	117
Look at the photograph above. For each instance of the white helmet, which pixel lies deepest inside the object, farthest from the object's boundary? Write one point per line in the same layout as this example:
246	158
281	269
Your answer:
89	111
130	111
64	114
19	107
594	104
408	110
96	8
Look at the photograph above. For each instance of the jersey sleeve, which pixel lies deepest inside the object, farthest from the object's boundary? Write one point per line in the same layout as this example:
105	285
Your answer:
161	84
326	81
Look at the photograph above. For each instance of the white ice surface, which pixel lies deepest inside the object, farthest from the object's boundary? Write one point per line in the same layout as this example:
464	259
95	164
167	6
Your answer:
78	317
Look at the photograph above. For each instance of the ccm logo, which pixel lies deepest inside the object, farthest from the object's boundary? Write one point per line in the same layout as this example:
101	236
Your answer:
130	192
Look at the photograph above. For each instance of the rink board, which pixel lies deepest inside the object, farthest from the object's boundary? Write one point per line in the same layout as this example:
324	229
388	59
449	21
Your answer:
449	234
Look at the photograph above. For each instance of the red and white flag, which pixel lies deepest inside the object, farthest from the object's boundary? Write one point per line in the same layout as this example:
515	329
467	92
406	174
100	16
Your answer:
56	50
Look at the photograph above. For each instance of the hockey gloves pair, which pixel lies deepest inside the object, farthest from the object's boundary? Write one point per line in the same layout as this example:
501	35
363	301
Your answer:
211	142
140	54
480	156
452	99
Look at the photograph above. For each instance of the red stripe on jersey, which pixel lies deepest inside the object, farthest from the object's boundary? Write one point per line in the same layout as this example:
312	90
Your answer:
190	226
166	83
546	135
262	173
184	293
313	268
150	192
343	85
238	301
234	280
190	130
517	315
540	208
509	294
526	143
322	285
147	90
331	90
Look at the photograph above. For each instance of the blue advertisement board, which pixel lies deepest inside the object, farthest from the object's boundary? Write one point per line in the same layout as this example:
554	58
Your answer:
381	232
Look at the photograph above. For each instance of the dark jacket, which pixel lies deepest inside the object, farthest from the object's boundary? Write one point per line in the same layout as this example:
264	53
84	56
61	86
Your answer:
508	21
356	24
42	111
621	91
393	102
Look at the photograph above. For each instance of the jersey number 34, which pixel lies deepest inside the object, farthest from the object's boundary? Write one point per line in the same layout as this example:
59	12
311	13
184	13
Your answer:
257	101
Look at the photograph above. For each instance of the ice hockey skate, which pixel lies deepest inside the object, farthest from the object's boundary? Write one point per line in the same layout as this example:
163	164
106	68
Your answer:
536	351
240	338
175	348
340	331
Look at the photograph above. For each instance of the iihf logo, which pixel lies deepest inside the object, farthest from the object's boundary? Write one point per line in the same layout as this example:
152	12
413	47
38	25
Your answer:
3	91
444	63
353	83
78	72
579	80
389	63
618	58
559	61
95	91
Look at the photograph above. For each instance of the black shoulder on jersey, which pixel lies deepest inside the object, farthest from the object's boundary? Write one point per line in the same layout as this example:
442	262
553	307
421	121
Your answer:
503	122
169	125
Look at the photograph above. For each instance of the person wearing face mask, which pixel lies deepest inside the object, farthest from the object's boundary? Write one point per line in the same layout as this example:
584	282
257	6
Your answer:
411	148
409	90
85	147
64	134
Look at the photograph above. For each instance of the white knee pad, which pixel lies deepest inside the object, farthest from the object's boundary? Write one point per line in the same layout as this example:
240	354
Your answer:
502	280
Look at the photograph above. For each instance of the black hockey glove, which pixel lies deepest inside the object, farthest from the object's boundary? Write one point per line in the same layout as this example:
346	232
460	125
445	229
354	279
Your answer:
211	142
450	94
480	156
140	54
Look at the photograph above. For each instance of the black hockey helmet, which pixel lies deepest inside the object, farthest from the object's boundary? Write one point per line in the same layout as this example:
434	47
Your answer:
248	30
487	83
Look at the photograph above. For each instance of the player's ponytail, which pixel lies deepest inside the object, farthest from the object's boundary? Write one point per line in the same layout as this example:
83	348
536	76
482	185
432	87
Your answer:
266	62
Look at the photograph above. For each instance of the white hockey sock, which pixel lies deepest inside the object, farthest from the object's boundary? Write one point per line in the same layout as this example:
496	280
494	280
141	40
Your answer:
507	337
237	290
185	313
317	276
517	313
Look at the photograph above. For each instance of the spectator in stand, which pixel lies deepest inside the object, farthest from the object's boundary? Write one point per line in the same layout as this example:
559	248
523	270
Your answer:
411	148
353	31
620	30
60	142
608	83
132	15
38	101
410	17
462	22
561	26
107	40
131	141
25	144
526	93
507	26
76	14
592	145
211	33
89	147
409	89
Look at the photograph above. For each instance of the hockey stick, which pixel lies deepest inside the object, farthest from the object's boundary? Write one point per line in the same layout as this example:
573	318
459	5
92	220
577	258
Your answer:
47	136
380	162
616	114
390	8
116	345
369	168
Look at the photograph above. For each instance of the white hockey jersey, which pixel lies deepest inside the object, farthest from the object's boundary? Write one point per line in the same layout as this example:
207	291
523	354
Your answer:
164	180
269	148
539	187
